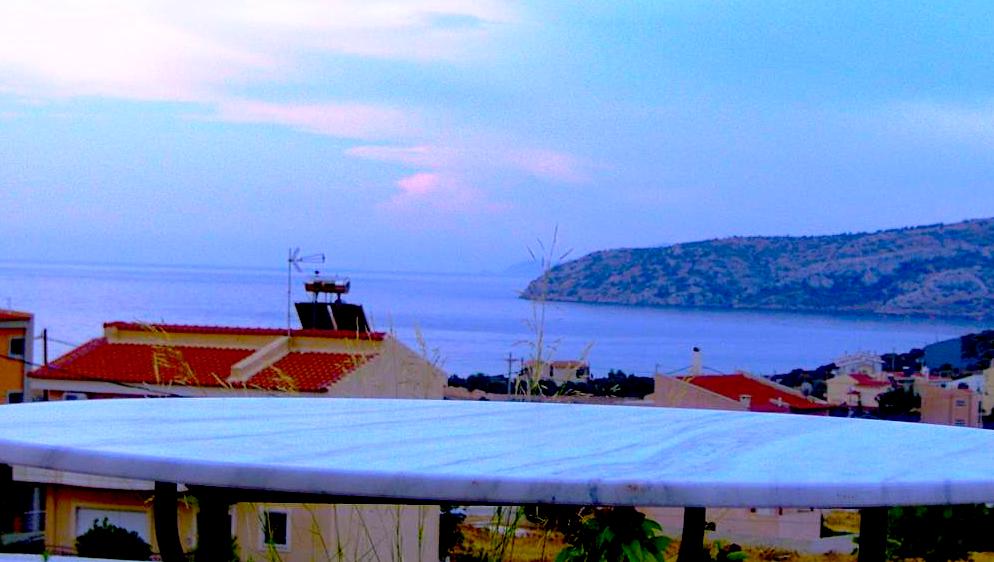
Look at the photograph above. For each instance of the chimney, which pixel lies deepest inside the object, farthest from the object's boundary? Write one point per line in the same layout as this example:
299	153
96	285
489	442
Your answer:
695	361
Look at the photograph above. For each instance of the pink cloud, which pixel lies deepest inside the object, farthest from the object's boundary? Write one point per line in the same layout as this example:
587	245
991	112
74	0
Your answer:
345	120
544	164
550	165
441	186
421	156
420	184
179	50
437	194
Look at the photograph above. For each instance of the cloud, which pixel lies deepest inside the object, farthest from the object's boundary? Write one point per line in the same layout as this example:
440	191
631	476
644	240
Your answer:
397	29
551	165
190	51
343	120
430	193
111	48
547	165
421	156
959	122
442	182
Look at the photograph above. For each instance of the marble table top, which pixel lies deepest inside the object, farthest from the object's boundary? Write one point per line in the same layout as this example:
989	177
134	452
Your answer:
500	452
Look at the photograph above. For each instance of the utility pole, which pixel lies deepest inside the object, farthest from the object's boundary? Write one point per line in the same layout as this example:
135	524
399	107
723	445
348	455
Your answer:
510	366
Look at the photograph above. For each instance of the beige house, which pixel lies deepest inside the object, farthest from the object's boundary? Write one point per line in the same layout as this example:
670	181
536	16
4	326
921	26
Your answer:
801	525
16	344
736	391
560	371
951	406
863	362
149	360
857	389
740	392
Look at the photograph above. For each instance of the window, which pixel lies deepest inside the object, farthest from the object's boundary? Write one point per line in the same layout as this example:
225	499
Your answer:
16	349
275	529
15	397
960	423
960	403
137	521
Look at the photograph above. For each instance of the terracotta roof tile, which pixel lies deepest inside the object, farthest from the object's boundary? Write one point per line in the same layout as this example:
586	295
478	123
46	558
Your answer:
100	360
136	363
307	371
13	316
866	380
763	396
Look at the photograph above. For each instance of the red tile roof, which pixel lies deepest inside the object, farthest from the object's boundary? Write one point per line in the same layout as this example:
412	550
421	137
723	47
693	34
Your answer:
13	316
237	331
763	396
100	360
131	363
866	380
307	372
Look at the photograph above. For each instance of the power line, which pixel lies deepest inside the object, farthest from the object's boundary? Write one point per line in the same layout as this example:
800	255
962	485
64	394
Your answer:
91	378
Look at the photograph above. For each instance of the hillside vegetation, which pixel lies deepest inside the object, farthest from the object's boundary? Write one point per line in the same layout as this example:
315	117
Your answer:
936	270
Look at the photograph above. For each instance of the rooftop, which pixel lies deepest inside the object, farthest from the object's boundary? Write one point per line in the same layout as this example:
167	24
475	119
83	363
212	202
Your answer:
211	362
13	316
243	331
866	380
764	396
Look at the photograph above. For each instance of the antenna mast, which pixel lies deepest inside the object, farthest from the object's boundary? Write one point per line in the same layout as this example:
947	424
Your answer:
293	261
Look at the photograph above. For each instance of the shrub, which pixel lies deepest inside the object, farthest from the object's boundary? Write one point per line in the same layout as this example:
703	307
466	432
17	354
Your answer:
105	540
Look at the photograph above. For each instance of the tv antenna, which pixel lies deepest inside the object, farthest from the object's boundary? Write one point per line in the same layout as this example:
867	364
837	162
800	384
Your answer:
293	261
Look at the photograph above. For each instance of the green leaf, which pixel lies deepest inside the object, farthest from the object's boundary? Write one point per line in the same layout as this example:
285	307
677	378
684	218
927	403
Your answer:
661	543
569	554
650	527
633	552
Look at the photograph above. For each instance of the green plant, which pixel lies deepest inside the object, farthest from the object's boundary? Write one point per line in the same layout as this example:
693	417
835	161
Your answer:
106	540
541	349
939	533
615	534
722	552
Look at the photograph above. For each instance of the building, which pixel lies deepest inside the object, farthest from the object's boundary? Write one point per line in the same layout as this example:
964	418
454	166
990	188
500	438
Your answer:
737	391
975	382
959	406
558	371
16	346
158	360
133	359
861	362
855	390
740	392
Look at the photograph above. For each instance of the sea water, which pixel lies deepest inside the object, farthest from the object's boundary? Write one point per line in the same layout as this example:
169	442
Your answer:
469	322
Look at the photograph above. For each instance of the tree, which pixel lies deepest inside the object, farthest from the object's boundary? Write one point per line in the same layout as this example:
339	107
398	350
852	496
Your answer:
612	534
105	540
898	403
939	533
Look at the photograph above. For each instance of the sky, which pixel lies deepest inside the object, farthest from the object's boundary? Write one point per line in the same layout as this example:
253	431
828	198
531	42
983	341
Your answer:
452	135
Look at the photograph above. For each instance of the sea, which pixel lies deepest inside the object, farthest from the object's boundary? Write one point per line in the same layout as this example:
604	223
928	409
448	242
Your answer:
468	323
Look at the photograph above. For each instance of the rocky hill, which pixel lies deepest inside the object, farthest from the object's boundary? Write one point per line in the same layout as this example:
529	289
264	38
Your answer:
938	270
